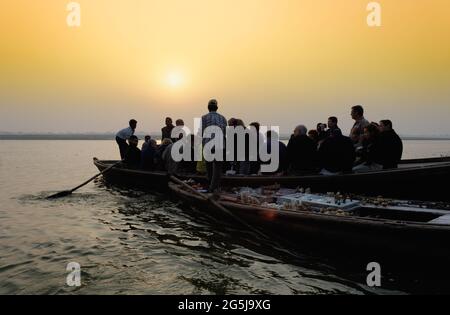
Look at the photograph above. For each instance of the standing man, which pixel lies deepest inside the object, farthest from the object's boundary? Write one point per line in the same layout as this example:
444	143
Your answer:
166	132
123	135
214	168
357	133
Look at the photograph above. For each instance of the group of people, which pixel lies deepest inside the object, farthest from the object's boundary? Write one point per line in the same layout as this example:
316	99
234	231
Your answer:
370	146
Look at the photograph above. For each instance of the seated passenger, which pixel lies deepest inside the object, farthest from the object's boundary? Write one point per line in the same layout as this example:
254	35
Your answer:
332	125
189	166
168	162
148	156
314	136
282	149
372	151
146	142
159	153
255	166
336	154
321	131
392	145
133	155
302	152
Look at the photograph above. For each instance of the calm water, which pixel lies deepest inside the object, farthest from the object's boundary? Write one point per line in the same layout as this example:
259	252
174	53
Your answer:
138	243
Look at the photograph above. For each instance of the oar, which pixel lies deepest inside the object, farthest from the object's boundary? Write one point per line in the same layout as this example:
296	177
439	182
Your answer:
218	206
68	192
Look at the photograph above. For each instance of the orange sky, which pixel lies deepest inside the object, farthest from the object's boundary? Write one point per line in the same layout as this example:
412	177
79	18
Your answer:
280	62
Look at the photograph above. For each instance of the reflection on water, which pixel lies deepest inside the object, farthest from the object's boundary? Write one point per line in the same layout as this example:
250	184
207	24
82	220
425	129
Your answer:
130	242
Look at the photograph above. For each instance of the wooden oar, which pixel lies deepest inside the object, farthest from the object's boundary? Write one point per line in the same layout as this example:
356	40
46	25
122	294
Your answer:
68	192
218	206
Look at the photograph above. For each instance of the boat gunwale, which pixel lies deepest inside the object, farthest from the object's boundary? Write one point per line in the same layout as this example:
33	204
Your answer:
443	165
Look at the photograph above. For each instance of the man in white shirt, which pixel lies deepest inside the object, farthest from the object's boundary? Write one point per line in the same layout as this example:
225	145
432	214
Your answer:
123	135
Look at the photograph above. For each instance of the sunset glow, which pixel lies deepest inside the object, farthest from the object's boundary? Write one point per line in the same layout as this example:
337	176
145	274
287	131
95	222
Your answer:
280	62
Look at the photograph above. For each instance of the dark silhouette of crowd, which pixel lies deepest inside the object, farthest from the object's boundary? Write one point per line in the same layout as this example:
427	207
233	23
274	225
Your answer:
325	150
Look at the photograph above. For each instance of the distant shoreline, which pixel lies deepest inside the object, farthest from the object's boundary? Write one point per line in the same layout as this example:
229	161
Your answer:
141	136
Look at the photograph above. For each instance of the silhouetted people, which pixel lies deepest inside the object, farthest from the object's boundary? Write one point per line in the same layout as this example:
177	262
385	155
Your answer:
255	166
302	152
336	154
169	164
332	125
357	132
146	142
166	132
371	154
214	167
241	163
392	146
159	153
190	166
283	153
179	123
148	156
321	131
123	135
314	136
133	155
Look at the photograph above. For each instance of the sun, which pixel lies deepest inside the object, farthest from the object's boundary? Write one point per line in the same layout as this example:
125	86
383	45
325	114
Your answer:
175	79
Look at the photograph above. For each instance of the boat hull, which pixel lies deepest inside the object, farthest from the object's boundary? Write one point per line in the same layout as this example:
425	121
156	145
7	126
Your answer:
333	233
417	182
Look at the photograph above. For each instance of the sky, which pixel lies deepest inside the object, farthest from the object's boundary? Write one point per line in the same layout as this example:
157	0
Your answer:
279	62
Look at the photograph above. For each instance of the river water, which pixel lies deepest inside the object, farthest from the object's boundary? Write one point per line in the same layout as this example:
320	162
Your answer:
129	242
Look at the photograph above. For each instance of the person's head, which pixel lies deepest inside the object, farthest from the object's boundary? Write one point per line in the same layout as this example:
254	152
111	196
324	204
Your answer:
133	124
256	125
332	122
300	130
232	122
313	135
179	123
147	138
335	133
168	121
385	125
371	131
357	112
321	127
166	141
212	106
133	141
153	143
240	122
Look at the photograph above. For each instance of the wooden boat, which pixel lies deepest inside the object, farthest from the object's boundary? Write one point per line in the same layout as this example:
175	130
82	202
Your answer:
414	179
366	228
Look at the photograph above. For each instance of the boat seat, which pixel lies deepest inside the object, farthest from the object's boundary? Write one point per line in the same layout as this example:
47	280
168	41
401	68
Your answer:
444	220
